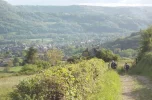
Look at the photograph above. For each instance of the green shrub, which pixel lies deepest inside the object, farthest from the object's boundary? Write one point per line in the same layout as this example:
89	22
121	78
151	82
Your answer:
42	64
107	55
82	81
29	69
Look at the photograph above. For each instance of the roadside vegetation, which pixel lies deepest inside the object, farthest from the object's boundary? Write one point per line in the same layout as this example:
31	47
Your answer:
85	80
144	58
84	77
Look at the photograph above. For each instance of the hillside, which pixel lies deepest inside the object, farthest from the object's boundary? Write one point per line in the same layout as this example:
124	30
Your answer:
8	17
80	19
72	19
130	42
82	26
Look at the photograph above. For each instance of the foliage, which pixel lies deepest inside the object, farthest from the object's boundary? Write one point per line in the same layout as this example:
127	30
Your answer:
85	80
73	50
42	64
144	59
129	42
77	19
107	55
7	83
129	53
143	67
54	56
75	25
31	56
9	63
29	69
17	61
146	42
74	59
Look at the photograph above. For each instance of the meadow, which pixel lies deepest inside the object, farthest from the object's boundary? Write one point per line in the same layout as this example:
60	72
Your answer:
8	83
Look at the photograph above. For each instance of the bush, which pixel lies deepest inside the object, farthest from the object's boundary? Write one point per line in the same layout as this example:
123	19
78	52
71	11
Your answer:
29	69
83	81
107	55
130	53
42	64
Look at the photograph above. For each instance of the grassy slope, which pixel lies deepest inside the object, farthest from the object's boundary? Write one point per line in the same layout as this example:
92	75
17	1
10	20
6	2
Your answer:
144	67
8	81
7	84
143	88
111	87
131	41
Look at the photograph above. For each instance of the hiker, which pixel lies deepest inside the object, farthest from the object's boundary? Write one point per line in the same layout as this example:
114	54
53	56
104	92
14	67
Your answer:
126	67
113	65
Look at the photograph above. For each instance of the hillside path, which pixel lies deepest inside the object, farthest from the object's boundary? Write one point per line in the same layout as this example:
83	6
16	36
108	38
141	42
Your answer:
136	88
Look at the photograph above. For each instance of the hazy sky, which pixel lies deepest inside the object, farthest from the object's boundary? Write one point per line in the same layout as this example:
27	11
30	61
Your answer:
77	2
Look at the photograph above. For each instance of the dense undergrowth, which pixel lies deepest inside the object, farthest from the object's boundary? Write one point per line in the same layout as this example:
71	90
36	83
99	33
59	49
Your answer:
87	80
144	66
144	58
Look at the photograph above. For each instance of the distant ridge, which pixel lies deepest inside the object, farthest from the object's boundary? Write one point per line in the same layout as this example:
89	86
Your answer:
116	5
72	19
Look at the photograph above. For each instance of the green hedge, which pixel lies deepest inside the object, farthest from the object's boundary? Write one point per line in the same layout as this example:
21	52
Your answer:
87	80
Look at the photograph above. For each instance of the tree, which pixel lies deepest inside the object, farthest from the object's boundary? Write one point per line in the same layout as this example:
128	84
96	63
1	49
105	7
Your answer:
54	56
146	42
107	55
23	53
17	61
128	53
31	55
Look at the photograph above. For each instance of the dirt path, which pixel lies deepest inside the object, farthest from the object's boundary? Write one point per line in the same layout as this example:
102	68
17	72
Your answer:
127	88
136	88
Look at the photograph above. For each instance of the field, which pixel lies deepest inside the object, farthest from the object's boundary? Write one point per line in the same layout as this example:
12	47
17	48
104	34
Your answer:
12	71
8	80
7	84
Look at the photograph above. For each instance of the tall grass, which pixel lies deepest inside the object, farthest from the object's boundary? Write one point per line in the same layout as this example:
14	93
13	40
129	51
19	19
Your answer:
110	87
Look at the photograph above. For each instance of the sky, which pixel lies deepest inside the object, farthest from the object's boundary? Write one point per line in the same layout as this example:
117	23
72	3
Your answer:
83	2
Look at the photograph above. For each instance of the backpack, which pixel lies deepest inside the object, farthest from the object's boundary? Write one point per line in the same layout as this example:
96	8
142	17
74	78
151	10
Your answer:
127	66
113	65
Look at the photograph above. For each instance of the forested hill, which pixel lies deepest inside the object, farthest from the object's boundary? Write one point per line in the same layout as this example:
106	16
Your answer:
130	42
72	19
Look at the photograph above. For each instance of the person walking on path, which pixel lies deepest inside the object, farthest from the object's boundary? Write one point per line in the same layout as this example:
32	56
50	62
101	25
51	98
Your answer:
113	65
126	67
